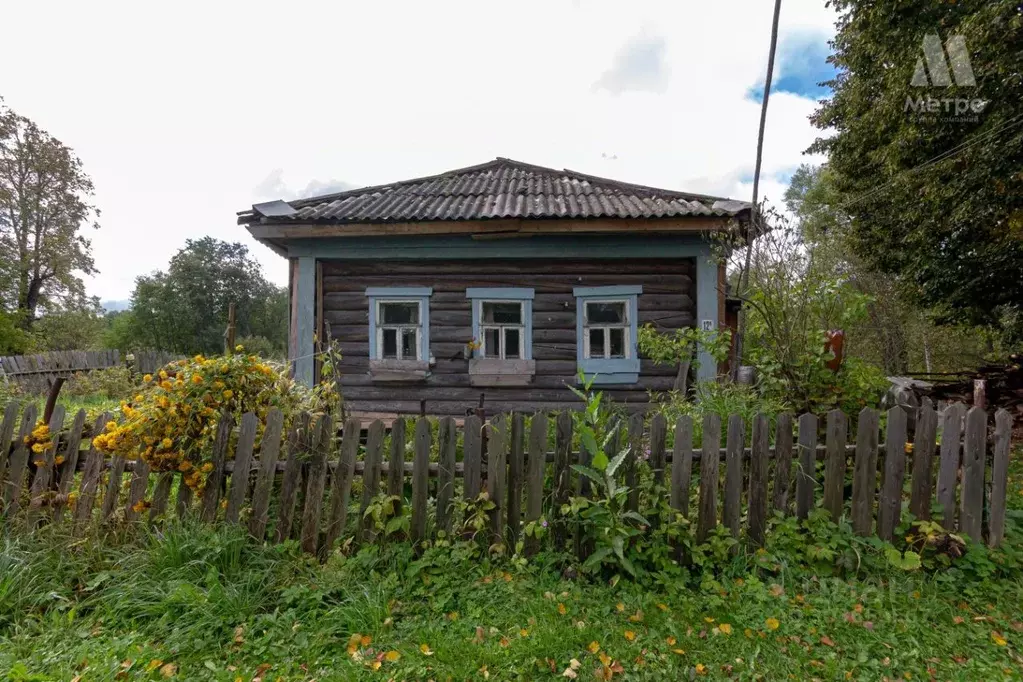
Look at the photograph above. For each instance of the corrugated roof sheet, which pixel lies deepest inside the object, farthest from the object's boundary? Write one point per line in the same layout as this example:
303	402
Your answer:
501	189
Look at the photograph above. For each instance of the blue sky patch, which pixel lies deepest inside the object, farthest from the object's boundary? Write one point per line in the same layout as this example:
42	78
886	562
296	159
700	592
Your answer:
799	67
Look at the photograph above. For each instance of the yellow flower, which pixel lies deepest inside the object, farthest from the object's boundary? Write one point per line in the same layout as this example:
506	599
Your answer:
239	348
166	443
701	669
206	468
772	623
998	639
426	650
620	607
630	635
670	640
366	640
38	447
166	385
227	394
908	448
561	609
147	378
593	647
374	665
196	379
392	656
726	628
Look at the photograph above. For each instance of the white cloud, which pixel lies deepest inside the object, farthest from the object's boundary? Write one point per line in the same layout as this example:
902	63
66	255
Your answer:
181	114
640	66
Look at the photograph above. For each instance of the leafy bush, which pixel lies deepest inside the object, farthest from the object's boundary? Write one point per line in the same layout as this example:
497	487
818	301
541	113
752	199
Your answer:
171	423
116	383
261	346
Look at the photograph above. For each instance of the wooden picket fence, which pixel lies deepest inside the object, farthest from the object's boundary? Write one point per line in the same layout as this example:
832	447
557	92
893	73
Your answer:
304	482
35	373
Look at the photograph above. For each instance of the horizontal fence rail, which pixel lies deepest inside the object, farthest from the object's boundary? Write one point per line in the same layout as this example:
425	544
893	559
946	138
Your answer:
35	373
319	482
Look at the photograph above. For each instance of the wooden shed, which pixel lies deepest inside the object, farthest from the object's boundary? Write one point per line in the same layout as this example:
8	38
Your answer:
504	279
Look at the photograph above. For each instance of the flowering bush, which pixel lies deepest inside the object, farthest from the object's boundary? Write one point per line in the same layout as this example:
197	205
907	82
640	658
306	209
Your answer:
172	422
39	441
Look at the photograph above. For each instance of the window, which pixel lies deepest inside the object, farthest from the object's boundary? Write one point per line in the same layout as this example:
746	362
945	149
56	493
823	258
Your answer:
399	334
606	321
502	330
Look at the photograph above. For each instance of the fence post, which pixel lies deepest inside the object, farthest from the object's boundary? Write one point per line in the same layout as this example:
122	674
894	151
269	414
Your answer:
999	477
806	473
834	468
782	463
242	464
211	493
497	473
371	475
341	481
758	480
923	456
682	465
709	458
536	465
447	439
269	448
889	509
974	453
948	467
516	465
865	472
733	474
420	480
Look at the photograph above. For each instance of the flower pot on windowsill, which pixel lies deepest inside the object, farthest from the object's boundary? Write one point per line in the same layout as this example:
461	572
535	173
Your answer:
497	372
399	371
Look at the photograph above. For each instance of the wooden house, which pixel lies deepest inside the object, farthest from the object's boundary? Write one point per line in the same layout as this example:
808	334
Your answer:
504	279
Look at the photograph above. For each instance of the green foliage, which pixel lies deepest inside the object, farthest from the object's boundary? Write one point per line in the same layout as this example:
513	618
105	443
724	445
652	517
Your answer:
13	339
933	198
680	346
79	327
185	309
720	398
261	346
387	517
113	383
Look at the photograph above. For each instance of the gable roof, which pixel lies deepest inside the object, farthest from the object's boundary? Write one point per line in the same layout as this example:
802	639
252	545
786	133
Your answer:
498	189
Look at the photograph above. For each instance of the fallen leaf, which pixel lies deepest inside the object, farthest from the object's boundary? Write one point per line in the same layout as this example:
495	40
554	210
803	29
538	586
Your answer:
636	617
777	590
374	665
670	640
620	607
593	647
998	639
726	628
505	642
366	640
827	641
772	623
630	635
604	658
168	670
958	620
662	607
561	609
678	651
480	635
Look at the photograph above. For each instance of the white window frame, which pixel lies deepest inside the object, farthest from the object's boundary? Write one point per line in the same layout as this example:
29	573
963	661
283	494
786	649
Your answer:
625	326
400	329
416	295
501	354
522	296
605	369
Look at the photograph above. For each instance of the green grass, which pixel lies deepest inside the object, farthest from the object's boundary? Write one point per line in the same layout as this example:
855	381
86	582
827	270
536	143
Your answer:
213	606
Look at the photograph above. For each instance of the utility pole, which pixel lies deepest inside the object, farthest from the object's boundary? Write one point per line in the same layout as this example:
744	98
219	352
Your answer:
740	334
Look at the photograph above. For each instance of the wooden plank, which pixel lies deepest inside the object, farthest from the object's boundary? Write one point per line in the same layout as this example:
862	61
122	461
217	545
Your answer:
999	477
536	465
341	481
242	464
396	470
215	478
420	480
90	476
447	443
269	450
497	475
115	479
709	465
316	483
18	464
516	466
472	457
783	463
889	507
10	420
562	484
948	466
137	490
971	504
865	472
161	494
68	467
758	480
45	464
298	437
371	475
806	472
658	433
631	464
733	474
835	463
923	458
183	503
682	465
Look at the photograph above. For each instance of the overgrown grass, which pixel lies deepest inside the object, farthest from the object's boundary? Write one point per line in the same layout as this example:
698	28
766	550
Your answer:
204	604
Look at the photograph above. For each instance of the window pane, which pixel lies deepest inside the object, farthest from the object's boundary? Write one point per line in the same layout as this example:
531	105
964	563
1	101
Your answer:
617	345
399	313
408	345
596	343
390	349
502	313
491	342
605	313
511	343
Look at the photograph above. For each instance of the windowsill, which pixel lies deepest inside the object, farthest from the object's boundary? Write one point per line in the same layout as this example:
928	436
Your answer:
612	371
497	372
404	371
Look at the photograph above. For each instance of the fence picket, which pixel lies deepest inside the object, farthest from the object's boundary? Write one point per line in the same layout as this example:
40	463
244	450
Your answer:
732	509
420	480
709	462
316	483
45	466
447	443
835	466
865	472
562	453
242	464
341	481
948	467
783	463
758	480
889	508
115	480
472	458
806	472
516	465
999	477
371	475
971	508
536	466
19	464
658	433
682	465
631	460
269	449
396	467
297	438
10	420
68	467
161	494
214	479
497	473
923	457
137	490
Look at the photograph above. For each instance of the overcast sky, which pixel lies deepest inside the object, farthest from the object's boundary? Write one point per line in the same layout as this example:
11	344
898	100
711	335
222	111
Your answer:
185	113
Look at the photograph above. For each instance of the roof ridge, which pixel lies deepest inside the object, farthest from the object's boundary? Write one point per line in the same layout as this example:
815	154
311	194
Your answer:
646	188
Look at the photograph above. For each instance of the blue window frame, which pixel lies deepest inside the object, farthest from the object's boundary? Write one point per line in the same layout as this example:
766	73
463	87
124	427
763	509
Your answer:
502	322
606	333
399	323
